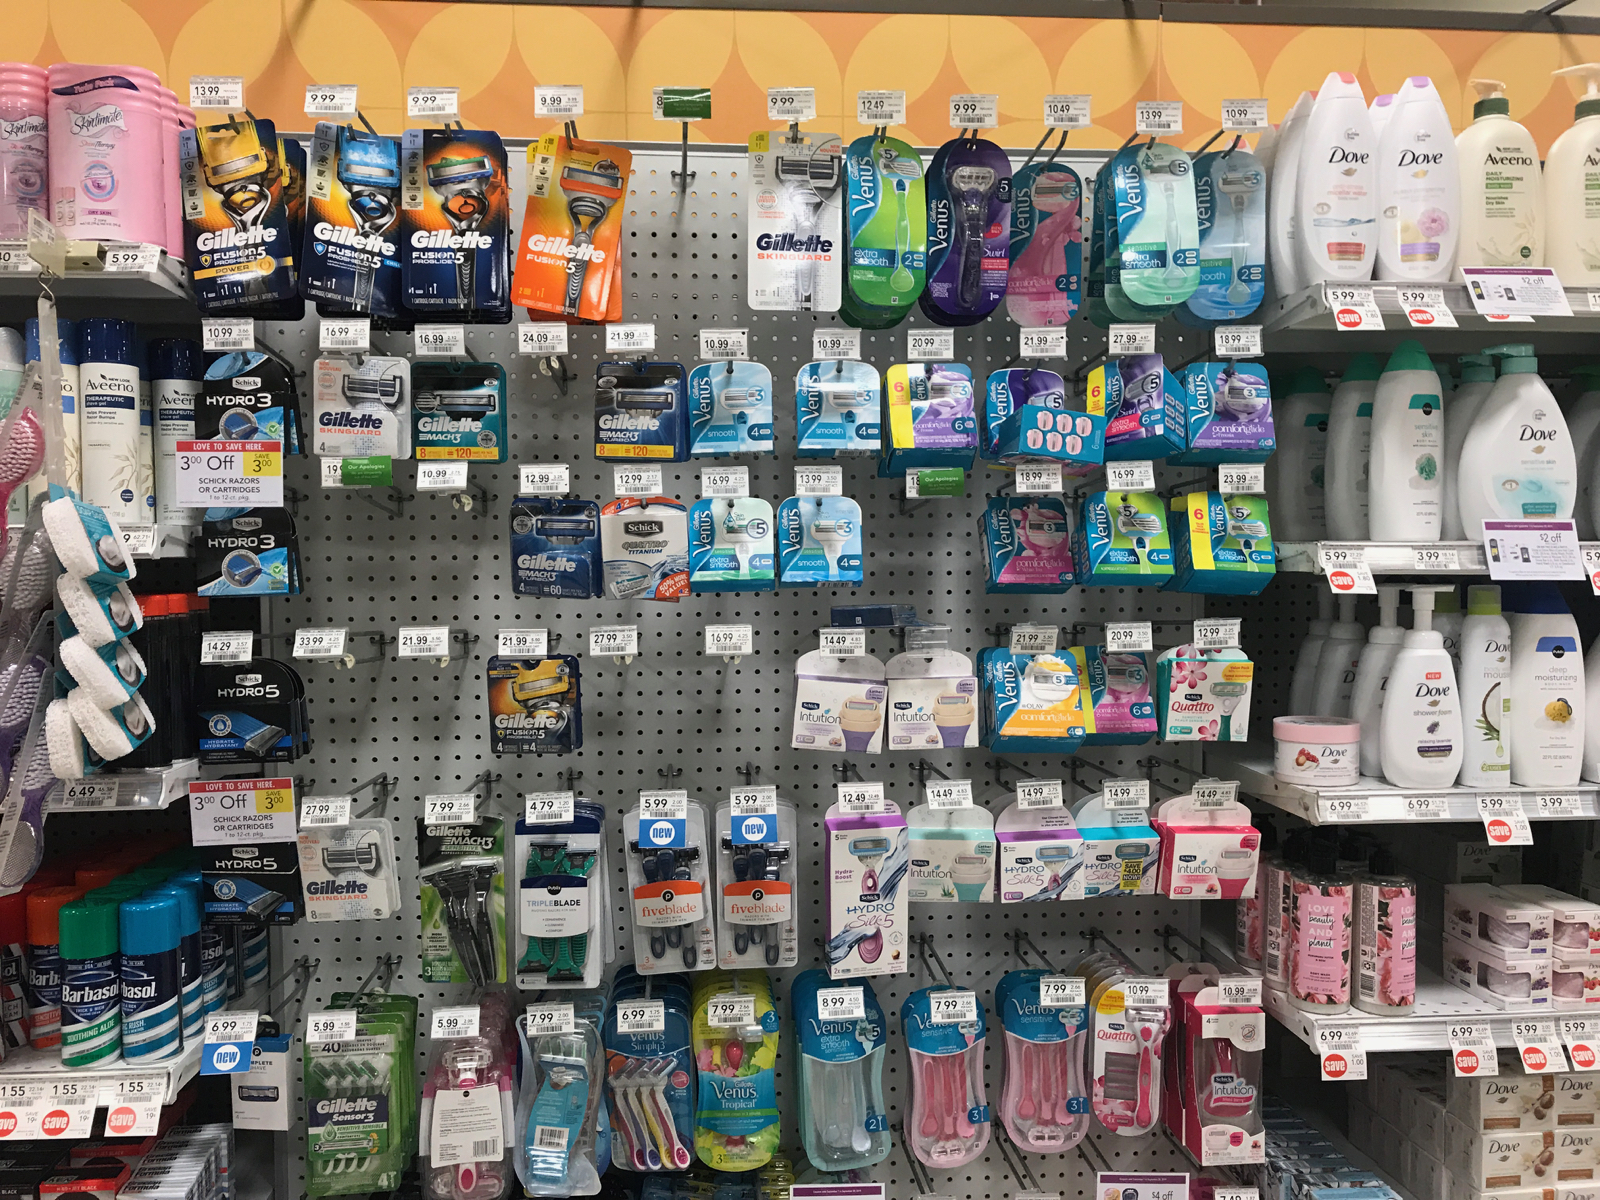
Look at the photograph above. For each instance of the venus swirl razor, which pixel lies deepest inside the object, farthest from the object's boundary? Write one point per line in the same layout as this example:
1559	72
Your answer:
1039	531
590	193
971	189
812	180
462	184
831	536
1139	528
1238	184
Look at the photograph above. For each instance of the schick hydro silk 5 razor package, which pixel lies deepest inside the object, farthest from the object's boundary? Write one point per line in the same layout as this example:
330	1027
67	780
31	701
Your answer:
567	262
819	540
1143	406
796	194
351	256
1028	544
887	215
641	410
969	231
730	409
459	411
928	408
454	223
555	548
836	408
235	229
1045	283
732	546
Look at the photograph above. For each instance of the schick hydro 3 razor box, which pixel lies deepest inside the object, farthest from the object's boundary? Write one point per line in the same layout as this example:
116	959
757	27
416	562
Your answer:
730	409
459	411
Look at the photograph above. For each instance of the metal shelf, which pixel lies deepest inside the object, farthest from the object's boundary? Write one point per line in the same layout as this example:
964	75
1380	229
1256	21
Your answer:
125	789
92	291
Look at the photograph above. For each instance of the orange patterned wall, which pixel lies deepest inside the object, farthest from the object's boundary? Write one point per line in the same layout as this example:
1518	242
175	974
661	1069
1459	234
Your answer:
496	53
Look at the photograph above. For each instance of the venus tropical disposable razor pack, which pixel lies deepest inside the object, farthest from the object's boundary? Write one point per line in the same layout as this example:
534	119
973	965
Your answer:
732	546
641	411
455	220
1143	405
1027	544
836	408
362	408
1230	189
1045	283
567	263
351	255
819	540
1221	545
555	548
645	546
1122	536
839	704
1229	414
796	193
930	417
730	409
459	411
535	705
933	701
969	231
887	225
235	228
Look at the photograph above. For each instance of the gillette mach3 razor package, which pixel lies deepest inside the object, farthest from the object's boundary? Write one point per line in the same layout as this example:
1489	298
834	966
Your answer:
1221	545
1122	538
839	704
1027	544
462	872
1230	414
1204	694
933	701
535	705
562	938
1143	405
257	884
455	219
349	871
952	855
459	411
247	552
969	231
887	225
235	228
929	416
1230	188
836	408
641	411
1044	285
362	408
732	546
555	548
730	409
819	540
1118	708
350	258
253	712
1032	703
571	228
796	193
644	547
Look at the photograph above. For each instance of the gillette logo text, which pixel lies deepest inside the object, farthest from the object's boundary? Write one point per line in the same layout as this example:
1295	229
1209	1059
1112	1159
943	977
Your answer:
562	247
443	239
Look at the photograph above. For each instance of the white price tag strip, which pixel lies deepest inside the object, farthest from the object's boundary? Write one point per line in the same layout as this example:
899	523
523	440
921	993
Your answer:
1340	1051
1472	1048
435	103
1504	822
641	1016
1159	117
1434	807
1240	991
548	1019
449	476
1067	112
440	341
617	641
450	808
1425	308
724	482
975	111
1591	565
759	801
842	643
1237	341
562	100
423	641
1215	793
1127	637
1557	805
216	91
1353	306
233	646
541	337
1242	479
730	641
544	479
1581	1035
1034	639
224	334
791	104
1131	339
860	798
131	257
1245	116
1040	793
930	345
636	481
1134	475
231	1025
948	794
724	343
1039	479
829	345
819	481
842	1004
1146	993
317	812
1217	633
1125	793
338	1025
1062	991
1435	558
1044	341
522	643
330	100
1346	808
957	1006
1346	569
636	338
731	1010
456	1022
548	808
1537	1045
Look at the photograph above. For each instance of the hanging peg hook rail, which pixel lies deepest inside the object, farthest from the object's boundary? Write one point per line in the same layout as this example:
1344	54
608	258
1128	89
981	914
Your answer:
919	1173
923	769
925	947
1001	766
669	772
847	772
749	773
1015	1162
485	781
1076	763
303	963
383	786
386	965
1169	932
1095	934
306	969
398	498
1019	940
1098	1162
569	778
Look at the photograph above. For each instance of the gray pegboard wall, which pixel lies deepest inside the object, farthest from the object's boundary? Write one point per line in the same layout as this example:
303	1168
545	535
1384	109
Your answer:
673	706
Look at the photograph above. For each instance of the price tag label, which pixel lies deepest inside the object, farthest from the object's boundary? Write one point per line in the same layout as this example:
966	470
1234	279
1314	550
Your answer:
229	1037
330	100
433	103
548	808
522	643
930	345
337	1025
1242	479
860	798
424	641
636	337
1515	293
731	1010
216	91
1044	341
1135	475
753	801
1339	1048
819	481
1435	558
1034	639
1062	991
1582	1038
139	540
442	476
724	481
792	104
831	344
842	643
1127	637
321	812
1237	341
545	1019
880	108
1504	822
841	1004
1532	549
1067	112
730	641
1245	116
1425	308
345	333
1353	306
1039	479
544	479
1241	991
133	1105
1159	117
224	334
131	258
1217	633
1242	1193
618	641
1346	808
976	110
233	646
1591	565
440	341
89	794
1435	807
240	812
1557	805
14	259
450	808
1346	569
1215	793
1146	993
541	337
1131	339
1125	793
958	1006
564	100
642	1016
944	794
459	1022
1537	1045
1040	793
724	343
1472	1049
637	481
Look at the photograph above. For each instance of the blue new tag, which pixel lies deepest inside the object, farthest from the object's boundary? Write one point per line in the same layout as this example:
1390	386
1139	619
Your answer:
664	832
226	1058
750	831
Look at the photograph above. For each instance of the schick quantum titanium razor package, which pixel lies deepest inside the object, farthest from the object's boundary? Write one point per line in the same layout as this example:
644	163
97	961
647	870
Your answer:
730	409
555	548
535	706
247	396
819	540
462	872
1118	710
1230	188
644	544
1158	235
1204	694
1221	545
932	701
836	408
459	411
887	224
732	546
362	408
454	223
1122	538
796	193
1045	283
1031	702
1028	544
250	712
1230	414
930	418
247	552
350	261
969	231
571	227
1144	407
839	704
235	229
641	411
252	884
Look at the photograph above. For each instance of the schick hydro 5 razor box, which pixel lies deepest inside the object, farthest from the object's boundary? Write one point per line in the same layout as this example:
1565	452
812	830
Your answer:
730	409
459	411
555	548
641	411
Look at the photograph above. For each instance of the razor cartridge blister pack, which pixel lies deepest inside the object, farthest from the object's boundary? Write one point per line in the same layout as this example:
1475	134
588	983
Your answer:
730	409
535	705
555	548
350	260
454	223
247	552
459	410
363	408
348	871
641	411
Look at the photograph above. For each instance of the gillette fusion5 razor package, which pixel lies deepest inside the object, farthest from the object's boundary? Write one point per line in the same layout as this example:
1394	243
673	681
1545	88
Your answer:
235	225
459	410
462	870
567	263
350	261
555	548
455	219
796	190
534	705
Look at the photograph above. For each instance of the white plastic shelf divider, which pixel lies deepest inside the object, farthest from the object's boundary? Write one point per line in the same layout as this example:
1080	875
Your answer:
30	1065
125	790
1384	558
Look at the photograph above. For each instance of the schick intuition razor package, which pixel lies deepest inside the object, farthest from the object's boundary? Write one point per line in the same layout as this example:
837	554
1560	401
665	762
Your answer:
641	411
1230	414
645	547
1204	695
455	218
535	705
796	191
459	411
730	409
836	408
350	261
1027	544
1031	702
1045	283
930	418
235	228
555	548
1230	189
732	546
1158	234
1221	545
969	231
1122	538
819	540
886	211
572	227
1144	408
1118	710
932	701
839	704
362	408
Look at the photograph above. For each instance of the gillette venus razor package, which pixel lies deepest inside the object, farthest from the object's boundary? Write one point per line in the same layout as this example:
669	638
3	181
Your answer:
462	873
1144	407
836	408
1031	702
1158	233
641	411
732	546
1095	307
1230	414
555	548
1008	389
1221	545
730	409
839	704
235	229
571	228
819	540
455	219
1122	538
1121	851
1204	694
1117	709
933	701
644	546
1230	189
252	712
1041	855
247	552
255	884
1119	306
1045	283
1027	421
248	395
1027	544
929	416
886	213
867	858
459	411
952	855
362	407
796	205
535	705
350	258
969	231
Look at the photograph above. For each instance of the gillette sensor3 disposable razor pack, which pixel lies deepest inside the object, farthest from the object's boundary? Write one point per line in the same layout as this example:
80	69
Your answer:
555	548
247	552
236	238
819	540
1221	545
462	873
1122	538
1027	544
362	407
837	407
253	712
930	418
455	221
1045	283
644	545
535	705
796	204
1230	189
839	704
933	701
459	411
349	871
1031	702
568	262
1229	414
887	225
969	231
730	409
641	411
350	260
1143	405
732	545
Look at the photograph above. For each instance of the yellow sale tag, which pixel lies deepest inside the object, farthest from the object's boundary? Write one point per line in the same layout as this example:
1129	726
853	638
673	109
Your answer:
263	462
1132	874
275	800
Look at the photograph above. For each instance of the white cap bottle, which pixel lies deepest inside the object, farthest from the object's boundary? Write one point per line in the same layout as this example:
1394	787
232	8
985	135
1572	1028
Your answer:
1477	381
1403	501
1372	676
1336	212
1336	668
1296	476
1420	727
1485	691
1303	683
1502	190
1582	412
1572	185
1419	188
1517	462
1349	457
1283	193
1549	693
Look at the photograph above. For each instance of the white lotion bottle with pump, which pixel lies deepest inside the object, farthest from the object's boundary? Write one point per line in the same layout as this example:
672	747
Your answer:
1419	188
1407	444
1283	195
1591	728
1582	412
1502	190
1420	728
1336	667
1477	381
1303	682
1549	692
1372	676
1572	187
1336	214
1517	462
1296	474
1349	457
1485	691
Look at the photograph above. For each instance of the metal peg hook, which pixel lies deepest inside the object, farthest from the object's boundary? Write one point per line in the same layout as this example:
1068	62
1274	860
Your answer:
1095	934
1169	932
1059	147
1098	1162
386	965
485	781
383	785
749	772
570	778
923	768
1014	1162
1019	940
925	947
669	772
847	771
919	1173
683	177
306	968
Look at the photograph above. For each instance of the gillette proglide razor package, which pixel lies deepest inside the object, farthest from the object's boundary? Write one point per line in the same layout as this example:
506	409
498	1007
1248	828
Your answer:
555	548
1044	285
1027	544
535	706
462	872
350	261
796	195
969	231
1230	190
1229	414
819	540
644	545
836	408
1122	538
247	552
362	407
1143	406
459	411
641	411
730	409
887	226
929	416
571	228
251	884
454	223
732	545
253	712
1221	545
235	228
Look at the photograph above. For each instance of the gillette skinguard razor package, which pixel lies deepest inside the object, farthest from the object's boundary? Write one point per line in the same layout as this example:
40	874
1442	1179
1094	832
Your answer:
1230	188
887	214
641	411
836	408
1118	710
1032	703
247	396
930	418
571	228
819	540
455	219
1221	545
555	548
839	704
969	231
462	872
933	701
1045	283
644	544
362	407
235	229
730	409
796	193
732	546
535	706
459	411
1144	407
1028	544
349	871
1122	538
252	712
1230	414
247	552
350	262
252	884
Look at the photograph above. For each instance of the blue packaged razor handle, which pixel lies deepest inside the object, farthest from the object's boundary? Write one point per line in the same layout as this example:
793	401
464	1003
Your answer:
819	540
730	409
555	548
454	248
641	412
350	261
836	408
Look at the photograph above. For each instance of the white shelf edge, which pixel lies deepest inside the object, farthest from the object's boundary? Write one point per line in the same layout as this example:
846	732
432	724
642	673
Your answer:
28	1063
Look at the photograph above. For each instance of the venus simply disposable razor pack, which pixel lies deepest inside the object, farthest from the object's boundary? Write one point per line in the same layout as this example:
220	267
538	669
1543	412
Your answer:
455	220
732	545
362	408
644	543
641	411
555	548
235	228
535	705
1027	544
567	261
730	409
819	540
350	257
795	190
836	408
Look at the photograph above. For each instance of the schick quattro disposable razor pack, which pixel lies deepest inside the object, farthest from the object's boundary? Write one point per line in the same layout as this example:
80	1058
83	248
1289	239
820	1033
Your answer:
796	194
253	712
1230	414
1221	545
819	540
348	871
641	411
1143	406
732	546
836	408
462	872
568	262
886	211
362	408
730	409
350	261
247	552
459	411
1122	538
1230	188
1028	544
455	220
930	418
236	238
644	544
535	705
555	548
